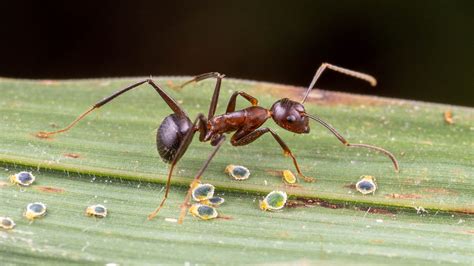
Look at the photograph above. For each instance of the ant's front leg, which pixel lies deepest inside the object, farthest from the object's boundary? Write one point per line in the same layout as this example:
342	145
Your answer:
243	137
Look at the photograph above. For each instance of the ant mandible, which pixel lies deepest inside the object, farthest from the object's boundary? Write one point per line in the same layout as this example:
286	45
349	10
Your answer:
177	131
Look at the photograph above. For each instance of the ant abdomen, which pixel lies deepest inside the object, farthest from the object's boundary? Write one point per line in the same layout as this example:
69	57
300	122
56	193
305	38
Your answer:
170	135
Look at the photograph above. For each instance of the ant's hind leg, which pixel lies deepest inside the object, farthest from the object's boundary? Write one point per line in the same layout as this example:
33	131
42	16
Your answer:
168	100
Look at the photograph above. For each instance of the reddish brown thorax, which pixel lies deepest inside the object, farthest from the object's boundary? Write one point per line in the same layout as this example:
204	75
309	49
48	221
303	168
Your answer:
289	115
249	118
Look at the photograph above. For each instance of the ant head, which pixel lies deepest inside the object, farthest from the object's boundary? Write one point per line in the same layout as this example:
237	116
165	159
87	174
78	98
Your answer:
290	115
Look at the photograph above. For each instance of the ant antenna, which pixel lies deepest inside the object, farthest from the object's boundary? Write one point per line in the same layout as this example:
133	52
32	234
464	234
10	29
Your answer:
345	142
355	74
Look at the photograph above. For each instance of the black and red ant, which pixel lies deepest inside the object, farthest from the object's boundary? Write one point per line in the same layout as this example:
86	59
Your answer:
176	131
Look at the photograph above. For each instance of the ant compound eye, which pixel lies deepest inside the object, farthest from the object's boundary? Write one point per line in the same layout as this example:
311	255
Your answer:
291	118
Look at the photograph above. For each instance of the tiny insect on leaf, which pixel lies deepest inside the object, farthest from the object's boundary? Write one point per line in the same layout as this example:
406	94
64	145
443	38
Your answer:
289	177
23	179
274	201
203	212
7	223
203	192
214	201
98	211
366	184
35	210
237	172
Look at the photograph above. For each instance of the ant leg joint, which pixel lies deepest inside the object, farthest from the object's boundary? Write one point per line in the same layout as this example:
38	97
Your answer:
214	74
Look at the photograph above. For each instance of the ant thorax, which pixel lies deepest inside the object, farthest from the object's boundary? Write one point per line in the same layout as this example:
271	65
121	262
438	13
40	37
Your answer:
233	121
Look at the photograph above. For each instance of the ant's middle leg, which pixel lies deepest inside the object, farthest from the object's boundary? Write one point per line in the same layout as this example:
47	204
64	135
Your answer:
242	137
199	78
217	89
168	100
197	177
198	125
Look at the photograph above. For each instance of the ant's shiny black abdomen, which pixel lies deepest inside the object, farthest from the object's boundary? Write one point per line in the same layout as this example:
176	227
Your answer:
170	135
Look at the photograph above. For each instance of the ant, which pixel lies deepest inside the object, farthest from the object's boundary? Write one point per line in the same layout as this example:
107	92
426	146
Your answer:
177	131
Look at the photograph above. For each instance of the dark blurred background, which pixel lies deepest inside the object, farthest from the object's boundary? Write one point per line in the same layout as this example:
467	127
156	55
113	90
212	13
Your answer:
421	50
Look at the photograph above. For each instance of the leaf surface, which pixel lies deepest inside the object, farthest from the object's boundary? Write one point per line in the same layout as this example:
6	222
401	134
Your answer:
111	157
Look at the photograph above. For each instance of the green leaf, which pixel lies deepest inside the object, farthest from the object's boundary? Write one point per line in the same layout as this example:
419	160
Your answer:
118	158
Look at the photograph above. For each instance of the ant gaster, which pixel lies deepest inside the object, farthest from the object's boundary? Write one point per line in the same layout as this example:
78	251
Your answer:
176	131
